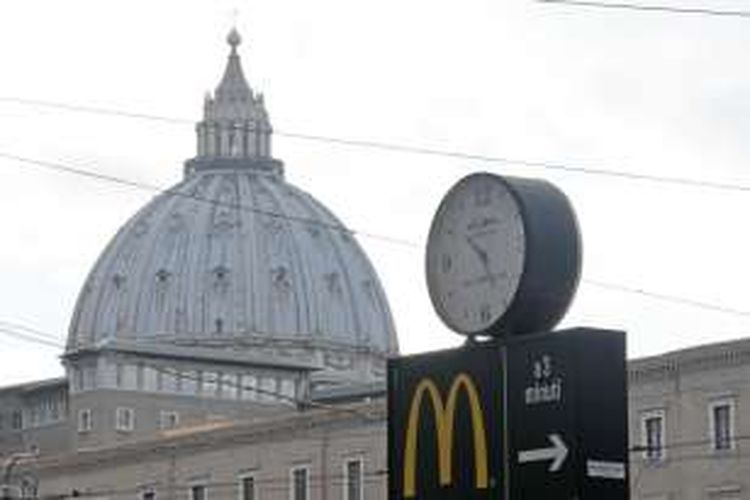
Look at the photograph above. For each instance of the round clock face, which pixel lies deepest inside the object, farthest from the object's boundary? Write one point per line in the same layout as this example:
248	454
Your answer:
475	253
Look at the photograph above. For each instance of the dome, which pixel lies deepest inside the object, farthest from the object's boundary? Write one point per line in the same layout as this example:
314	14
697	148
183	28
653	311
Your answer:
235	257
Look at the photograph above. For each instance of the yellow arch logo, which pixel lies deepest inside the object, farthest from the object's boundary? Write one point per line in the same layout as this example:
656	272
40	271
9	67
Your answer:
445	414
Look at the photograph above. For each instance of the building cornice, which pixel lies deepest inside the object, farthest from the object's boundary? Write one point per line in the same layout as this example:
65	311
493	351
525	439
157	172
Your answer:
695	359
220	434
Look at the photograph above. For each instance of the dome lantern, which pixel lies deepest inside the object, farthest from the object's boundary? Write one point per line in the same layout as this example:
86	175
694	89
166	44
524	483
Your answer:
235	123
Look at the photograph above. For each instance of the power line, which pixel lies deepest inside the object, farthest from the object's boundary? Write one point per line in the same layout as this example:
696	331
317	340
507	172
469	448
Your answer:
60	167
33	331
404	148
652	8
29	338
669	298
57	166
95	110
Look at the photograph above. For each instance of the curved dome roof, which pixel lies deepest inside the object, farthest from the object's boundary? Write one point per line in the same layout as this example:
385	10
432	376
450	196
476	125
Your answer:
233	255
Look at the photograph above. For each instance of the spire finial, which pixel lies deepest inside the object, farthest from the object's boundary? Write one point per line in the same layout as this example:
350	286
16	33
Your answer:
234	39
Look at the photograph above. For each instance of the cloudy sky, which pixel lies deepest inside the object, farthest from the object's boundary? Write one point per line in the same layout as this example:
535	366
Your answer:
665	95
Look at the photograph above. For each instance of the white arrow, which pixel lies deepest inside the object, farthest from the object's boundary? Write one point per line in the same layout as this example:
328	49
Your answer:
557	453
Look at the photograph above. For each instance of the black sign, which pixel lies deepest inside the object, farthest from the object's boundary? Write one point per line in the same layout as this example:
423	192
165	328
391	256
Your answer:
567	416
445	429
543	416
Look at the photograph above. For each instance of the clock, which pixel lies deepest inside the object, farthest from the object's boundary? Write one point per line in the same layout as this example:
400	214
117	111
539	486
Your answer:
503	256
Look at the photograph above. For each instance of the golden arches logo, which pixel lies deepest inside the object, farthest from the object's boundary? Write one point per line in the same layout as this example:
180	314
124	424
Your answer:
445	414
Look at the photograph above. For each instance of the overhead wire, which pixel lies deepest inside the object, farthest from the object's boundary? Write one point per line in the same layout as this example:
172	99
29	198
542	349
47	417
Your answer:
61	167
33	331
150	187
669	298
39	337
174	191
29	338
652	8
411	149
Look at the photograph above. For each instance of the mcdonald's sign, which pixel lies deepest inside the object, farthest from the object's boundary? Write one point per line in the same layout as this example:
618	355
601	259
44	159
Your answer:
536	417
443	423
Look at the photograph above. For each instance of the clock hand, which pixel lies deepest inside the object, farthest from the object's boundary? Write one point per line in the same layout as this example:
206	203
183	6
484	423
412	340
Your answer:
481	253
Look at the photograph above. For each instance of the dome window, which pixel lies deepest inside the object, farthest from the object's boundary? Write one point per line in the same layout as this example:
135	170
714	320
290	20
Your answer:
118	280
314	230
333	283
162	276
280	278
220	273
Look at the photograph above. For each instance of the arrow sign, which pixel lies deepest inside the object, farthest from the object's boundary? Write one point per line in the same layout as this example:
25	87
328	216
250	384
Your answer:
557	453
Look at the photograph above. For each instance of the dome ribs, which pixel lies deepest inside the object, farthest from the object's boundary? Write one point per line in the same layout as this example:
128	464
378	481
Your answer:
338	266
281	237
140	304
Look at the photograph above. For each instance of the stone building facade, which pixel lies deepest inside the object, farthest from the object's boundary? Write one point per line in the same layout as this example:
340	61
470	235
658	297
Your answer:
690	423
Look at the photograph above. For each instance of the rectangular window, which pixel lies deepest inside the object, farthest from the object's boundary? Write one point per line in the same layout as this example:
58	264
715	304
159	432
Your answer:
16	420
89	377
198	492
130	377
653	432
299	484
150	379
159	379
85	420
721	415
190	382
77	379
247	488
169	420
169	381
353	471
210	384
139	376
287	388
177	381
249	384
54	410
124	419
229	386
268	389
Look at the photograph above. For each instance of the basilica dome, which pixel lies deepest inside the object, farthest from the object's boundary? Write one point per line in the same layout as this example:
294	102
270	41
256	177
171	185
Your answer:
234	257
